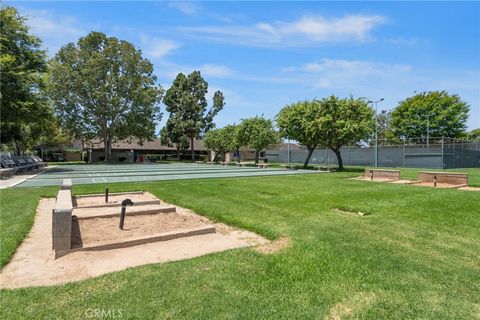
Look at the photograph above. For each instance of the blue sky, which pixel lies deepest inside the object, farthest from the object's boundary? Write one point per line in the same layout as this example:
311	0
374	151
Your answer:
264	55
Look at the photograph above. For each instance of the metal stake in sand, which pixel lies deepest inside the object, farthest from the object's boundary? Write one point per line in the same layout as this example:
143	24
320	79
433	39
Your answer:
106	195
125	203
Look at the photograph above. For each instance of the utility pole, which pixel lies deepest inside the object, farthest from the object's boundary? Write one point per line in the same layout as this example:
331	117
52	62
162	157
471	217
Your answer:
376	129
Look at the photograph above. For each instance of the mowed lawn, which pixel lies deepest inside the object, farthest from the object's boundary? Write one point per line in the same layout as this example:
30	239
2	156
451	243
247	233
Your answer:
416	255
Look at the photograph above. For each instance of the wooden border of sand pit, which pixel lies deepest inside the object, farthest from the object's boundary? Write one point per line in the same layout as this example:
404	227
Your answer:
176	234
381	174
450	179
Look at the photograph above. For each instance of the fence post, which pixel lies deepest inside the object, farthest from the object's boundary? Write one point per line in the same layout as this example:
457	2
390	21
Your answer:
443	152
404	155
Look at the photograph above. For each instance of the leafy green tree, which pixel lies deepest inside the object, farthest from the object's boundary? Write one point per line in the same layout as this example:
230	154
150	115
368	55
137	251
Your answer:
442	114
25	112
330	122
103	88
169	136
187	104
474	134
214	141
298	121
344	121
222	140
256	133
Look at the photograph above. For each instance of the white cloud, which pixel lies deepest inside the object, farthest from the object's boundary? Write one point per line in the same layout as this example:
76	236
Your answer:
215	71
170	70
189	8
54	30
157	48
358	67
308	30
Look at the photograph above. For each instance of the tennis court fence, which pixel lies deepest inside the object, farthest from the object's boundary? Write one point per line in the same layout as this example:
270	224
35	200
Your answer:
439	153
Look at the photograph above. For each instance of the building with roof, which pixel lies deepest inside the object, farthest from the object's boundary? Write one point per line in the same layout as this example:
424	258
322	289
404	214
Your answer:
133	150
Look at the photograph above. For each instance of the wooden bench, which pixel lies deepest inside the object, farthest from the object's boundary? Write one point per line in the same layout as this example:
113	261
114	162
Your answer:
5	173
263	165
290	166
382	174
448	178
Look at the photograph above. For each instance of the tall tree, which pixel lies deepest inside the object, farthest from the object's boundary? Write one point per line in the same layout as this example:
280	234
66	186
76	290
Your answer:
437	112
344	121
256	133
25	112
187	103
298	121
103	88
169	136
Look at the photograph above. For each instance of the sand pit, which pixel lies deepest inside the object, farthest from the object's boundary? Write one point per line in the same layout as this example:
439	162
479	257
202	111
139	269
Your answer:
115	199
99	230
34	262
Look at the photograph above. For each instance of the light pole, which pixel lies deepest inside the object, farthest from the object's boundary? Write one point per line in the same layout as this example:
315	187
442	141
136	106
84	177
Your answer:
376	129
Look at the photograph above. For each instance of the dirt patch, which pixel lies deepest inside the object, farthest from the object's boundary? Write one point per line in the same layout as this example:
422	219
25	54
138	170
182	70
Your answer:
469	188
34	263
347	308
274	246
362	178
92	231
404	181
439	185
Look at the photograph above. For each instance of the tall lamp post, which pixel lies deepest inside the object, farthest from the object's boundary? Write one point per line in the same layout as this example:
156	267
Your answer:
376	129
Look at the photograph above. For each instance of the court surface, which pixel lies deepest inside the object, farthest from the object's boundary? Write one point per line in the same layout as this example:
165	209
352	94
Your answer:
101	173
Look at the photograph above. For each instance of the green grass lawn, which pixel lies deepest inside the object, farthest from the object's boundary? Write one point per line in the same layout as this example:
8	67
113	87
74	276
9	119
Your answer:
415	256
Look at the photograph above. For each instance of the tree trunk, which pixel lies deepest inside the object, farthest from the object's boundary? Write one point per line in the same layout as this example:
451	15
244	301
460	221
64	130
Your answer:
257	153
105	145
18	148
339	158
192	148
109	150
307	160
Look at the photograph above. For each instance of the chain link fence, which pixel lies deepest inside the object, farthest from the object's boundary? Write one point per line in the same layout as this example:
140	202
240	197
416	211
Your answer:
438	153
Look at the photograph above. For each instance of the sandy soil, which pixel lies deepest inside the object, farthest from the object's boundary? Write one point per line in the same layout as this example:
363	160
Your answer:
439	185
469	188
274	246
362	178
91	231
34	265
113	199
402	181
115	211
